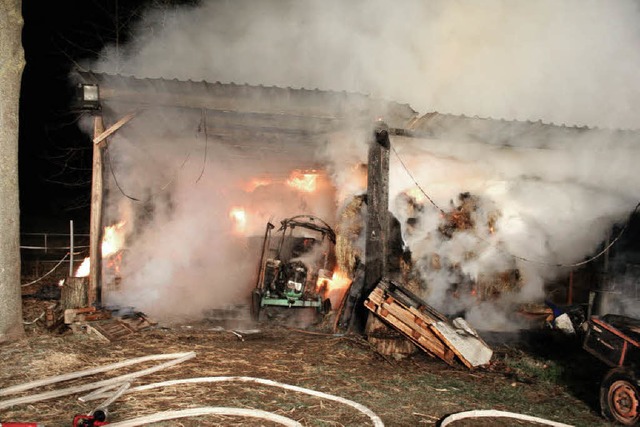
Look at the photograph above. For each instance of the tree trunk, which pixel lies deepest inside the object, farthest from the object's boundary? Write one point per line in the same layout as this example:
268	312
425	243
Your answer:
11	67
74	292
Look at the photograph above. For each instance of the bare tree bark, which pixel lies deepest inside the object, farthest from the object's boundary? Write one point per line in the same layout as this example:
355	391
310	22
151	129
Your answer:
11	66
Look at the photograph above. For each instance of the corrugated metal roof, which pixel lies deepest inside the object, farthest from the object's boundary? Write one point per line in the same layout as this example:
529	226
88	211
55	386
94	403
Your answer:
292	109
247	99
504	132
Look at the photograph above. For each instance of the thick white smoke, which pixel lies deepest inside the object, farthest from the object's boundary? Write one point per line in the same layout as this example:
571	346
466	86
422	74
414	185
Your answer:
567	62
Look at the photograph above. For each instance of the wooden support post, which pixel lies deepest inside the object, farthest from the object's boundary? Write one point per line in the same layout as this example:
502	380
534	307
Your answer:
377	224
94	291
377	208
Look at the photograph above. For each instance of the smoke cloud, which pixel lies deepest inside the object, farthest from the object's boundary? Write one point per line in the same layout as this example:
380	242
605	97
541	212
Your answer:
568	62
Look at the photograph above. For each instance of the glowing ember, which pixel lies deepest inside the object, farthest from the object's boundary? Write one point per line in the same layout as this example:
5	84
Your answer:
239	216
303	181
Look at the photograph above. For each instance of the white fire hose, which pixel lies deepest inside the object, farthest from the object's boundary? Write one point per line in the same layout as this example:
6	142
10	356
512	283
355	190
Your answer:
377	422
102	389
491	413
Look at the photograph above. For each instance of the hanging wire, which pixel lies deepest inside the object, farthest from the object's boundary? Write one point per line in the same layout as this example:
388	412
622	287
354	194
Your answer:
593	258
115	179
164	187
577	264
416	182
203	127
50	271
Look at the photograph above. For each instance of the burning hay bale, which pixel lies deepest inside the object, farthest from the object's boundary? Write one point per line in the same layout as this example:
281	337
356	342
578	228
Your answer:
454	245
460	217
349	232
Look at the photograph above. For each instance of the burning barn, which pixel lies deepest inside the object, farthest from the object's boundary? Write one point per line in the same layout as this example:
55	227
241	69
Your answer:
195	170
191	172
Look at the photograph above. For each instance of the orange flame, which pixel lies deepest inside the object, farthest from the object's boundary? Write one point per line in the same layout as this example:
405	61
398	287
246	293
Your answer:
112	242
239	216
112	239
335	287
83	270
303	181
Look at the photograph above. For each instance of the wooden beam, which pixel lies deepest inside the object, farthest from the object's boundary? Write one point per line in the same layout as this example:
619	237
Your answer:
377	208
94	291
98	138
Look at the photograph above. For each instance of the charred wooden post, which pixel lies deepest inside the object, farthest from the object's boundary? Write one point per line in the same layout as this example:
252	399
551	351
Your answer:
377	208
94	291
377	223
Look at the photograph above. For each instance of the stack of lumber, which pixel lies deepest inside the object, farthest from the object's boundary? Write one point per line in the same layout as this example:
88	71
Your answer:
430	330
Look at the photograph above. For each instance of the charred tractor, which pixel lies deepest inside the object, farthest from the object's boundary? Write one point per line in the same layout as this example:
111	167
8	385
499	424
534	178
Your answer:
296	263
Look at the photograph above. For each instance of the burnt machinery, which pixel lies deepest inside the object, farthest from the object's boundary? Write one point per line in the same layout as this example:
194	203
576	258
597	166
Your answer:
296	265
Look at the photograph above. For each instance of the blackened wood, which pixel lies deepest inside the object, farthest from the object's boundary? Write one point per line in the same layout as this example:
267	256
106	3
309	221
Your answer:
377	208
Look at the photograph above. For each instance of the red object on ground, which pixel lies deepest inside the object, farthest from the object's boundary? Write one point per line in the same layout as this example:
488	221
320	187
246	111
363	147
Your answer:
88	421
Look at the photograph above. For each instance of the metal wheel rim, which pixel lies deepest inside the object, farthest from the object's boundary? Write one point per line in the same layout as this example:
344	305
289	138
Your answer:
623	401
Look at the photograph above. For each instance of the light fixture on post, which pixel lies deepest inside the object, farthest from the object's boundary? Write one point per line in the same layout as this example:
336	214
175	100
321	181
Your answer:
88	97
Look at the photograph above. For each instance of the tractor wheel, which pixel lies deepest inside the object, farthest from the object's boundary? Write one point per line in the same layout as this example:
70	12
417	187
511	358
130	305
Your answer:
256	303
619	397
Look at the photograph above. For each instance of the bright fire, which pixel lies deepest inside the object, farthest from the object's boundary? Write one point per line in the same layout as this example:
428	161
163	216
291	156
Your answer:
240	218
303	181
112	242
335	287
83	270
112	239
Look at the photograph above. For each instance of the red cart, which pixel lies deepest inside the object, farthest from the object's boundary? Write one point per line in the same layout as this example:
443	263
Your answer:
615	340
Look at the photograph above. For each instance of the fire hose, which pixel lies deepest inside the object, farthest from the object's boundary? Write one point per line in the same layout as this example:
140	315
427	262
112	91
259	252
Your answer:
377	422
491	413
100	390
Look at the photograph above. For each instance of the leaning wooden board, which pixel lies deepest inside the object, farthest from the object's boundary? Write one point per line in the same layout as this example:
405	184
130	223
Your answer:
426	327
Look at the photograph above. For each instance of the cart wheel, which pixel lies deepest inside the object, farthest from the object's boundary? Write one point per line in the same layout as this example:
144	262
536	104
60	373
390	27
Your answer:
256	300
619	397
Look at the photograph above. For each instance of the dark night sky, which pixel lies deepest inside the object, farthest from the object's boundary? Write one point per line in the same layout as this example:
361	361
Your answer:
54	155
51	194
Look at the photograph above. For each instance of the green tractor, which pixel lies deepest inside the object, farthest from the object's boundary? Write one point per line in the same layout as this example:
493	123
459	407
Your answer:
296	264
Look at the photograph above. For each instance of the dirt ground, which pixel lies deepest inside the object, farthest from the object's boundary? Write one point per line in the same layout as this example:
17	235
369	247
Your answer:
547	376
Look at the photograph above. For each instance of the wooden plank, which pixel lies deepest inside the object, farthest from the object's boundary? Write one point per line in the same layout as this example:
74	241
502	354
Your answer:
113	128
111	330
401	320
470	351
426	327
428	343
